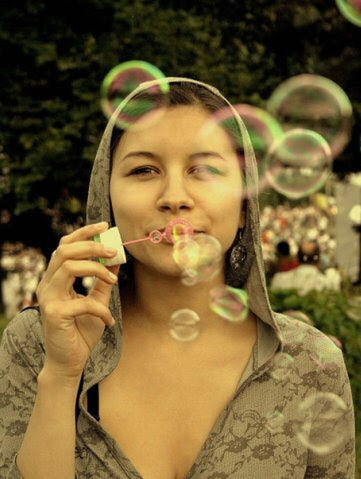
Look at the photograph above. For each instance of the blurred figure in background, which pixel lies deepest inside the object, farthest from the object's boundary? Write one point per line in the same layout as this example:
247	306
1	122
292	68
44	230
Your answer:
307	276
285	262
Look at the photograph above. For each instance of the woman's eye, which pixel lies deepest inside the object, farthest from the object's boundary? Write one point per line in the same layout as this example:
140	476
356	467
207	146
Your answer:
207	170
143	171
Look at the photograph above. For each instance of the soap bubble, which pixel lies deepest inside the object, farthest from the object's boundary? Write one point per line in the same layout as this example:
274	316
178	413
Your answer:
229	303
298	164
198	257
122	80
351	10
184	325
322	424
186	253
275	422
282	366
155	236
226	120
315	103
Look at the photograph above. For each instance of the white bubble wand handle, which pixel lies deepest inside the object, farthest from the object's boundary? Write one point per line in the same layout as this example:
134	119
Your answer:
111	238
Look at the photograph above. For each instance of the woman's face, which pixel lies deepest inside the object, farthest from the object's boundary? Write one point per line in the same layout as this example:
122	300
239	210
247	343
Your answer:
169	170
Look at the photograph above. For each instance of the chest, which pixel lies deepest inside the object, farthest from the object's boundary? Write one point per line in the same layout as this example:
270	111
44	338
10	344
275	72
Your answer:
160	411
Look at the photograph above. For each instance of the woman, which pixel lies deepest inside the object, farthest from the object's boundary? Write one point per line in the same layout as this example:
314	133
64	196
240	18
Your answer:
223	405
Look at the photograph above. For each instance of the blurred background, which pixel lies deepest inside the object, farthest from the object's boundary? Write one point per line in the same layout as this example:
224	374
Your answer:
293	71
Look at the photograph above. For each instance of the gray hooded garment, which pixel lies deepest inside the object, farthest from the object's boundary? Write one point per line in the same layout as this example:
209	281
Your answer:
239	445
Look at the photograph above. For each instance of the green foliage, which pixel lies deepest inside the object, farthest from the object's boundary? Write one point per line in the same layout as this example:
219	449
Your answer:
51	121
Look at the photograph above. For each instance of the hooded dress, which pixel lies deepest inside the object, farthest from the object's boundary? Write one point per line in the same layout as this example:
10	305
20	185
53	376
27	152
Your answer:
239	445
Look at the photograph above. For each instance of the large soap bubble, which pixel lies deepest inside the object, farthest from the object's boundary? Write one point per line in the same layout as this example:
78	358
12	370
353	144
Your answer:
122	80
315	103
322	423
351	10
229	303
299	163
226	120
199	257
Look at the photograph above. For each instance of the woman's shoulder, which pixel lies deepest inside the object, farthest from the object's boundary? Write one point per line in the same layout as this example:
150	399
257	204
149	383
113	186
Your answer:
302	339
22	339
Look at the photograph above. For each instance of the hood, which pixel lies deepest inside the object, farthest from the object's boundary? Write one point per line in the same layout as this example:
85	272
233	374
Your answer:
107	352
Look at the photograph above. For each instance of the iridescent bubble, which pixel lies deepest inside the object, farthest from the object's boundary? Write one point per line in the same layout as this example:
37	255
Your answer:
315	103
189	280
122	80
282	366
186	253
263	131
298	164
275	422
225	119
184	325
351	10
322	424
229	303
201	254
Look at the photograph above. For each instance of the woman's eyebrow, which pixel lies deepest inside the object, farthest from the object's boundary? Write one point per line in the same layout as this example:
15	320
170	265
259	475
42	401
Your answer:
153	156
147	154
195	156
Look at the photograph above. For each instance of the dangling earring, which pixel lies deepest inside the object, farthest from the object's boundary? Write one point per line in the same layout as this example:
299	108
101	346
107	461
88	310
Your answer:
238	255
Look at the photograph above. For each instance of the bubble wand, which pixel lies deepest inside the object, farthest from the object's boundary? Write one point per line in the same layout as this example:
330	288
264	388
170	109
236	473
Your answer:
111	238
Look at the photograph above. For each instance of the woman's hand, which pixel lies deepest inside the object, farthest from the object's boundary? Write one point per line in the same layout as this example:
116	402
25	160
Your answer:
73	323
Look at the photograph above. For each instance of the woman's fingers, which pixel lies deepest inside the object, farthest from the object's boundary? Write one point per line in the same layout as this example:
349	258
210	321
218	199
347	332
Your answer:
62	280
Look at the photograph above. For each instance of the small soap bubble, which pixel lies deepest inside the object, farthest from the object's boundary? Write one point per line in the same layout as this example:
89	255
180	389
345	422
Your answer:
184	325
315	103
229	303
299	163
322	424
275	422
282	366
155	236
189	281
121	81
351	10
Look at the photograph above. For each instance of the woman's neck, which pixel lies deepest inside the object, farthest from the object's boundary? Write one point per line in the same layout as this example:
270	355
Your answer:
149	305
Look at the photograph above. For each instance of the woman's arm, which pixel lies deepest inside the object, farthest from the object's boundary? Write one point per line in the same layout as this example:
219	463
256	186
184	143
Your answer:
48	447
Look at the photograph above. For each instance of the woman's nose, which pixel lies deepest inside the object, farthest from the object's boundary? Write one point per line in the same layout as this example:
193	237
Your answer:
175	197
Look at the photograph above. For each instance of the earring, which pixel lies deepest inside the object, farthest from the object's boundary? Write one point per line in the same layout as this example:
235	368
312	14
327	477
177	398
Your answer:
238	255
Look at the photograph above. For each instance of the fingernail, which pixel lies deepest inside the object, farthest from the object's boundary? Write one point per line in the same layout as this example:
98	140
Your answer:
112	276
112	322
101	224
110	250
